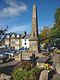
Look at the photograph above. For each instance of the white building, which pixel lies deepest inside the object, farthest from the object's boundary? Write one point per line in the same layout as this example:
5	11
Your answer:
25	41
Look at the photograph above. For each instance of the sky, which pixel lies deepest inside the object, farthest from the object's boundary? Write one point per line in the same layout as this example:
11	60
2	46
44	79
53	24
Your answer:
17	14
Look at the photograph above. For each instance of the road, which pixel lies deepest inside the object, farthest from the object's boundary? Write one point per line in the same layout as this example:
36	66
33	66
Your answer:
7	68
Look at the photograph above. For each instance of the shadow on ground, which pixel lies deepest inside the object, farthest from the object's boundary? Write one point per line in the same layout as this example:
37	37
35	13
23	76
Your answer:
7	69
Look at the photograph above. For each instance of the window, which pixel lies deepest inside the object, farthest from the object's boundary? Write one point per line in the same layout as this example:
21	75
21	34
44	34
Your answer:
25	43
25	39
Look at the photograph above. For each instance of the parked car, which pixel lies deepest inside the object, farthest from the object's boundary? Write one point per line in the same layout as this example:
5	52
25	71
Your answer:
17	52
10	54
23	49
1	55
44	50
26	49
4	57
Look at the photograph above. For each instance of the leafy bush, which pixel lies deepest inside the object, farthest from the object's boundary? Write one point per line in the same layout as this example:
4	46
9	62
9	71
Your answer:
25	65
27	73
34	73
21	74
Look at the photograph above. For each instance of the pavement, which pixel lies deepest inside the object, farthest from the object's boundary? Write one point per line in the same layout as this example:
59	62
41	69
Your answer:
7	68
11	63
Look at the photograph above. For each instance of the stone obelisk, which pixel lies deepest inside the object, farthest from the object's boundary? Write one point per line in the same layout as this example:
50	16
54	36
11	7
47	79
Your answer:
34	46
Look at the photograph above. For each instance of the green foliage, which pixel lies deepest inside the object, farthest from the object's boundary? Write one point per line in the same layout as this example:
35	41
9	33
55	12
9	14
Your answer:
20	73
44	35
46	41
24	74
34	73
55	35
56	52
25	65
55	30
57	18
48	35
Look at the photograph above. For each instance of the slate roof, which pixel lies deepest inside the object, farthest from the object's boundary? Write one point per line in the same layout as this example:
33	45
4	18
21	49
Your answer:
26	37
2	37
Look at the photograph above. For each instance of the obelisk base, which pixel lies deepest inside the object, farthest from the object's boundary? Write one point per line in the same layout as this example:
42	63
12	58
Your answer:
34	47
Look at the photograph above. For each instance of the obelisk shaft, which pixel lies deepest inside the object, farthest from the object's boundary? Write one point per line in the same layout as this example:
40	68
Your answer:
34	45
34	22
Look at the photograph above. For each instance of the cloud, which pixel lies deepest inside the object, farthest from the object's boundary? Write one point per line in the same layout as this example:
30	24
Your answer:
13	9
20	29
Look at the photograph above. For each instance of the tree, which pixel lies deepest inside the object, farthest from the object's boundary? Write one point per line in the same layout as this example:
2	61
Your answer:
44	35
2	35
57	18
55	30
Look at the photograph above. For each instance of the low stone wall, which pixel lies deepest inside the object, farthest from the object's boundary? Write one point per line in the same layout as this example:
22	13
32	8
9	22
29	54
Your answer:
4	77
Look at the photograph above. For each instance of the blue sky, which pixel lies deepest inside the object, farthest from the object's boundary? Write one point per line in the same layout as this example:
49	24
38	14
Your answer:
17	14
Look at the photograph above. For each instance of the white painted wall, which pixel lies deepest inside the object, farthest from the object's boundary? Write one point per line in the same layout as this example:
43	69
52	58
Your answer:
25	41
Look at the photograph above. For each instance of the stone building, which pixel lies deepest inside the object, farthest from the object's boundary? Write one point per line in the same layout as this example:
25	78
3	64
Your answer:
13	40
17	41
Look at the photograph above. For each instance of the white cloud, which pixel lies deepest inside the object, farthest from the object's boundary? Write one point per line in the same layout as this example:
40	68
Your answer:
20	29
14	8
11	2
